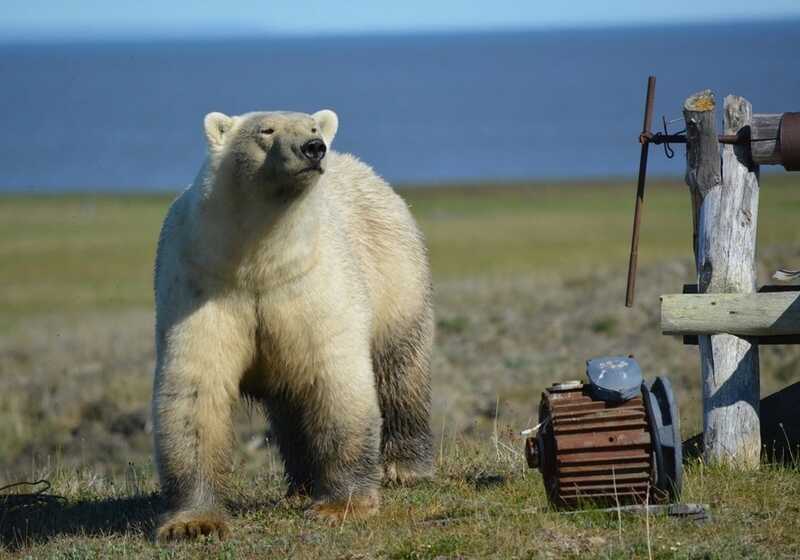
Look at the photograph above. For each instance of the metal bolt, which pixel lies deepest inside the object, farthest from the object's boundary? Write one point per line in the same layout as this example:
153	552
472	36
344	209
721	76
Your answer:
532	453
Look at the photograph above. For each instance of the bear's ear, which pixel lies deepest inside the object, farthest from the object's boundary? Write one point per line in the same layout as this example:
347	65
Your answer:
217	127
328	124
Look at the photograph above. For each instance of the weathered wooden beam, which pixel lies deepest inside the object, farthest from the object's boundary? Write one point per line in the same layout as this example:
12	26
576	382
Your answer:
779	340
758	314
766	288
725	255
702	147
764	143
702	155
763	340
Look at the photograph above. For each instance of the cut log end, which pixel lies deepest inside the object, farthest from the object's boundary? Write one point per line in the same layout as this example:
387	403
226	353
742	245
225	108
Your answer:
700	102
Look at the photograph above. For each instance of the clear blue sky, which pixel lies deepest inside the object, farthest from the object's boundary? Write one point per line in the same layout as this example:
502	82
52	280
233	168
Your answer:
35	19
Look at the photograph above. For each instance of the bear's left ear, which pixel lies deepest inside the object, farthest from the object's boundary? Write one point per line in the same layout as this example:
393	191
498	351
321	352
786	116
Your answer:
217	127
328	124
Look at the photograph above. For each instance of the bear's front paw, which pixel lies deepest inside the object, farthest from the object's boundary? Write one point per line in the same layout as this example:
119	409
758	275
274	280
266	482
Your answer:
186	525
334	512
405	474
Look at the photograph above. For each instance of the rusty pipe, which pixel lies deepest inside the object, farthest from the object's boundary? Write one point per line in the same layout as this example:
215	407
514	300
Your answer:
630	288
661	138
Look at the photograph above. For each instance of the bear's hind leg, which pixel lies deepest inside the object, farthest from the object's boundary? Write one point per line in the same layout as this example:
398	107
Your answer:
402	367
329	437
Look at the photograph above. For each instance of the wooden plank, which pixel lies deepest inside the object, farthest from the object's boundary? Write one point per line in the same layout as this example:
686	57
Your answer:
726	234
770	340
764	145
778	340
757	314
766	288
781	340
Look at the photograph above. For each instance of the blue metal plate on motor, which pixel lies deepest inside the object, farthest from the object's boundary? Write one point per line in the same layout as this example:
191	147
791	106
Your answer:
614	378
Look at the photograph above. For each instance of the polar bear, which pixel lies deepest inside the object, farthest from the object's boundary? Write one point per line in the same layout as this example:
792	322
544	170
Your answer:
293	276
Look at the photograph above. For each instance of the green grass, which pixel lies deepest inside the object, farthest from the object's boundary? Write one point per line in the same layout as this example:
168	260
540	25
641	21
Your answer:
72	253
483	503
65	256
574	228
75	253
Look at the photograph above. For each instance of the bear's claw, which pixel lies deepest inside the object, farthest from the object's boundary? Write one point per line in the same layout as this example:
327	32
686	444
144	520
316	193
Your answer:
188	525
337	512
395	472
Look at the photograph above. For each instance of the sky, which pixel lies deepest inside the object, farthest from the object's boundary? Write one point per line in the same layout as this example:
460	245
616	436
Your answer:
57	19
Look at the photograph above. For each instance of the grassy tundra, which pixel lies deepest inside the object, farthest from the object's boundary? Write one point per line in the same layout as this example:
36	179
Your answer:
529	283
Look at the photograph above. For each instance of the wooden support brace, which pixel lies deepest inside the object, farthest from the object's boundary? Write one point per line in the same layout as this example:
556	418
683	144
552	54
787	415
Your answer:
764	144
760	314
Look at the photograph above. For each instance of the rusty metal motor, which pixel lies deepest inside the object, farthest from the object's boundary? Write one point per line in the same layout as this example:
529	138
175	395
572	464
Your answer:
611	440
789	141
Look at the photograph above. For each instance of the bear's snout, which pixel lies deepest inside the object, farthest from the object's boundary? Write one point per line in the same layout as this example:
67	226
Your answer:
314	150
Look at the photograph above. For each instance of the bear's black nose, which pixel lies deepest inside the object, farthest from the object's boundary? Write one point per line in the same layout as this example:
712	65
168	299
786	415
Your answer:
314	149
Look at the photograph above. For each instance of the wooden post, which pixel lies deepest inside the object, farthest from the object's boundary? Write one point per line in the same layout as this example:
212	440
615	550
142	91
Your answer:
725	255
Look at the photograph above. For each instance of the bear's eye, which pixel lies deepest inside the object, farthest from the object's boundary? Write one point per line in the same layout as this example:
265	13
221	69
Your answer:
314	130
266	131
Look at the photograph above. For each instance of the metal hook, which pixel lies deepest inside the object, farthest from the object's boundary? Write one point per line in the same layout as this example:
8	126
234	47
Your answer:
668	151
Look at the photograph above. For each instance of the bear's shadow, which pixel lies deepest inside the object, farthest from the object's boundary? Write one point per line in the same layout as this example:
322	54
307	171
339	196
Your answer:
29	519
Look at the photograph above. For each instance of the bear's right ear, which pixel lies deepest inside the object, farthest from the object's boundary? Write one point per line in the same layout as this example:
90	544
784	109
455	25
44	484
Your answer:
217	127
328	124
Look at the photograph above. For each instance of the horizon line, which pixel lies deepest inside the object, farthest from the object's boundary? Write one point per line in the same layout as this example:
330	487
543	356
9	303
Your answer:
41	37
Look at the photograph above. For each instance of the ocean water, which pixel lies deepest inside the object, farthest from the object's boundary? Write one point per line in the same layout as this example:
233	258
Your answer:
419	108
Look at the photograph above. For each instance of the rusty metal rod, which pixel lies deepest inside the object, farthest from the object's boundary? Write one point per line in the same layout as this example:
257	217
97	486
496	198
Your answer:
661	138
637	214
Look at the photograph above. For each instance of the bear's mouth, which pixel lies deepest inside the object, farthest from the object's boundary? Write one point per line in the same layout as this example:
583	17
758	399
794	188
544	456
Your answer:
311	169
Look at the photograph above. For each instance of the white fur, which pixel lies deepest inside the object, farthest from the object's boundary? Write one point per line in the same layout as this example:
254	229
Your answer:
329	124
345	258
216	126
301	289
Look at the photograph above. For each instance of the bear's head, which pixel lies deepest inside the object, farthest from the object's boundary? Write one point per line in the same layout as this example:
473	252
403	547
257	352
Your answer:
271	152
